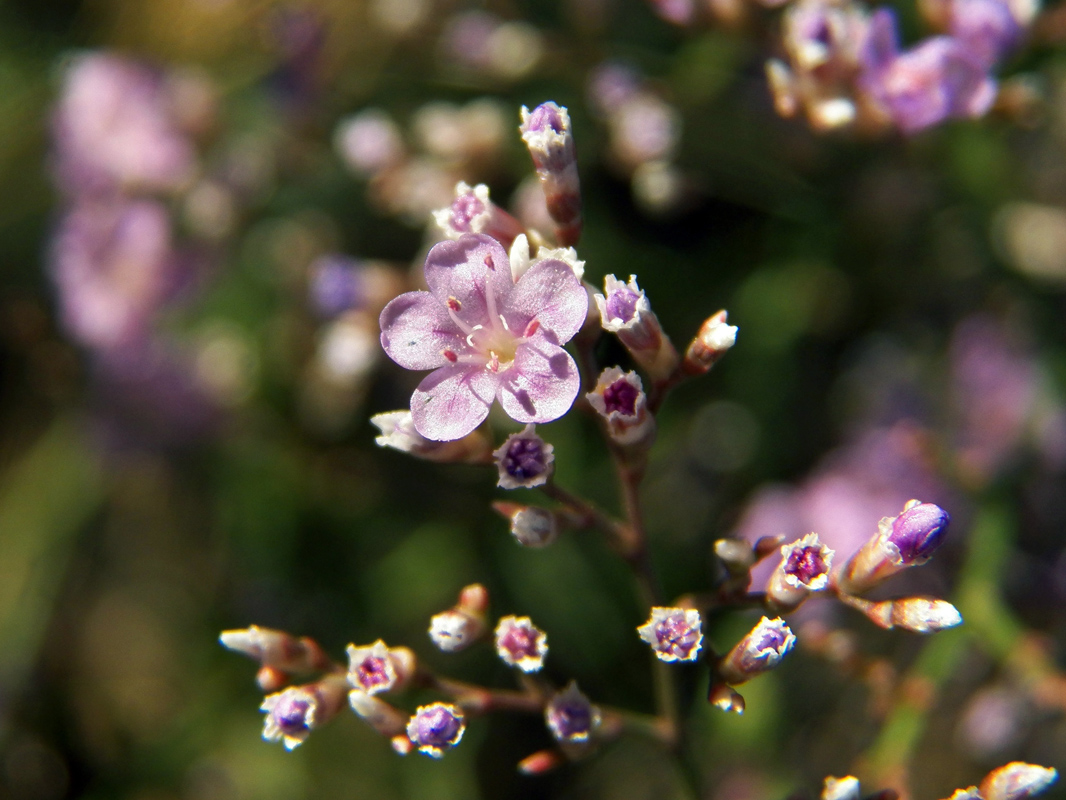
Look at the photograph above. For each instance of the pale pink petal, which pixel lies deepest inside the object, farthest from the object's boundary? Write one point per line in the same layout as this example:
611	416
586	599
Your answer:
550	292
457	269
450	402
542	383
416	330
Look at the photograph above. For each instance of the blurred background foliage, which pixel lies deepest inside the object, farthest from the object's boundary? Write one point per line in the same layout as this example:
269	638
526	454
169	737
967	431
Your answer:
900	304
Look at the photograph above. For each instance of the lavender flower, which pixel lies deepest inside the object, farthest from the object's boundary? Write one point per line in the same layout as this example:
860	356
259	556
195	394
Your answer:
759	651
114	266
114	127
804	569
674	633
988	29
906	540
620	401
521	644
295	712
524	460
547	133
486	337
937	80
376	668
570	716
436	728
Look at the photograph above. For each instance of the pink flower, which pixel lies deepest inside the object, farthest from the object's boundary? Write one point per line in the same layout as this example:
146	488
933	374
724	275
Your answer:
486	337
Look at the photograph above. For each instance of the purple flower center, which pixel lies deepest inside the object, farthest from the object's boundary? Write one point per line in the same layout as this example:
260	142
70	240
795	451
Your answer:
437	726
675	636
621	397
525	459
771	639
372	672
806	564
918	531
291	713
622	304
519	642
464	209
570	719
547	115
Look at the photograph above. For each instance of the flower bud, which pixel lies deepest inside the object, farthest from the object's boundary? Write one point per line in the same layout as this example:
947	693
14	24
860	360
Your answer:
969	793
473	212
804	568
521	644
570	716
846	788
295	712
626	312
725	698
531	526
903	541
378	714
398	432
375	668
279	650
714	339
540	762
462	625
436	728
759	651
547	133
674	633
524	460
1017	781
736	554
620	401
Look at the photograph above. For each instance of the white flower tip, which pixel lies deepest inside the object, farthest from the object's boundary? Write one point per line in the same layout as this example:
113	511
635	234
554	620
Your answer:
846	788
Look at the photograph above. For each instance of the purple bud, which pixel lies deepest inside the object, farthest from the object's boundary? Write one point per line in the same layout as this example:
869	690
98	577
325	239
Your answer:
524	460
570	716
918	532
626	312
436	728
620	400
806	562
295	712
759	651
521	644
547	133
673	633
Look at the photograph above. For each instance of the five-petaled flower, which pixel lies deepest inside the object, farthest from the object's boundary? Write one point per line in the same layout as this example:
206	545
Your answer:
486	337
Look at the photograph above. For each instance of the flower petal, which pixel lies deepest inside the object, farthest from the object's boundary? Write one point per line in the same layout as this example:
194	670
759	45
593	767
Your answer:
416	329
550	291
460	269
542	383
451	401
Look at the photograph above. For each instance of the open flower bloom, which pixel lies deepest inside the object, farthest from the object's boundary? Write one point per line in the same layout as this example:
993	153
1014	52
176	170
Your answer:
436	728
675	634
487	337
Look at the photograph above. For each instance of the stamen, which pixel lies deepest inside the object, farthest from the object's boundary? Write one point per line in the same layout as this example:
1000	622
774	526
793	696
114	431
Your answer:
454	304
459	323
470	334
532	327
506	327
450	355
490	263
494	362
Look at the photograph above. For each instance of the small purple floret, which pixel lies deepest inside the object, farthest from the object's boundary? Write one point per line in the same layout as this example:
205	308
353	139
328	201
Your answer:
570	715
373	671
291	713
436	728
464	208
676	637
336	285
918	532
545	116
806	563
987	28
525	459
622	303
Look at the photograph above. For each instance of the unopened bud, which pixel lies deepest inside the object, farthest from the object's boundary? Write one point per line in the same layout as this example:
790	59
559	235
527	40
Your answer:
378	714
1017	781
540	762
276	649
915	614
736	554
547	133
626	312
725	698
620	401
846	788
398	432
758	652
675	634
903	541
531	526
460	626
714	339
271	679
570	716
969	793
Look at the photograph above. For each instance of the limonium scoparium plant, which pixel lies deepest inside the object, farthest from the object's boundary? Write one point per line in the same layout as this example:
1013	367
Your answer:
487	337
